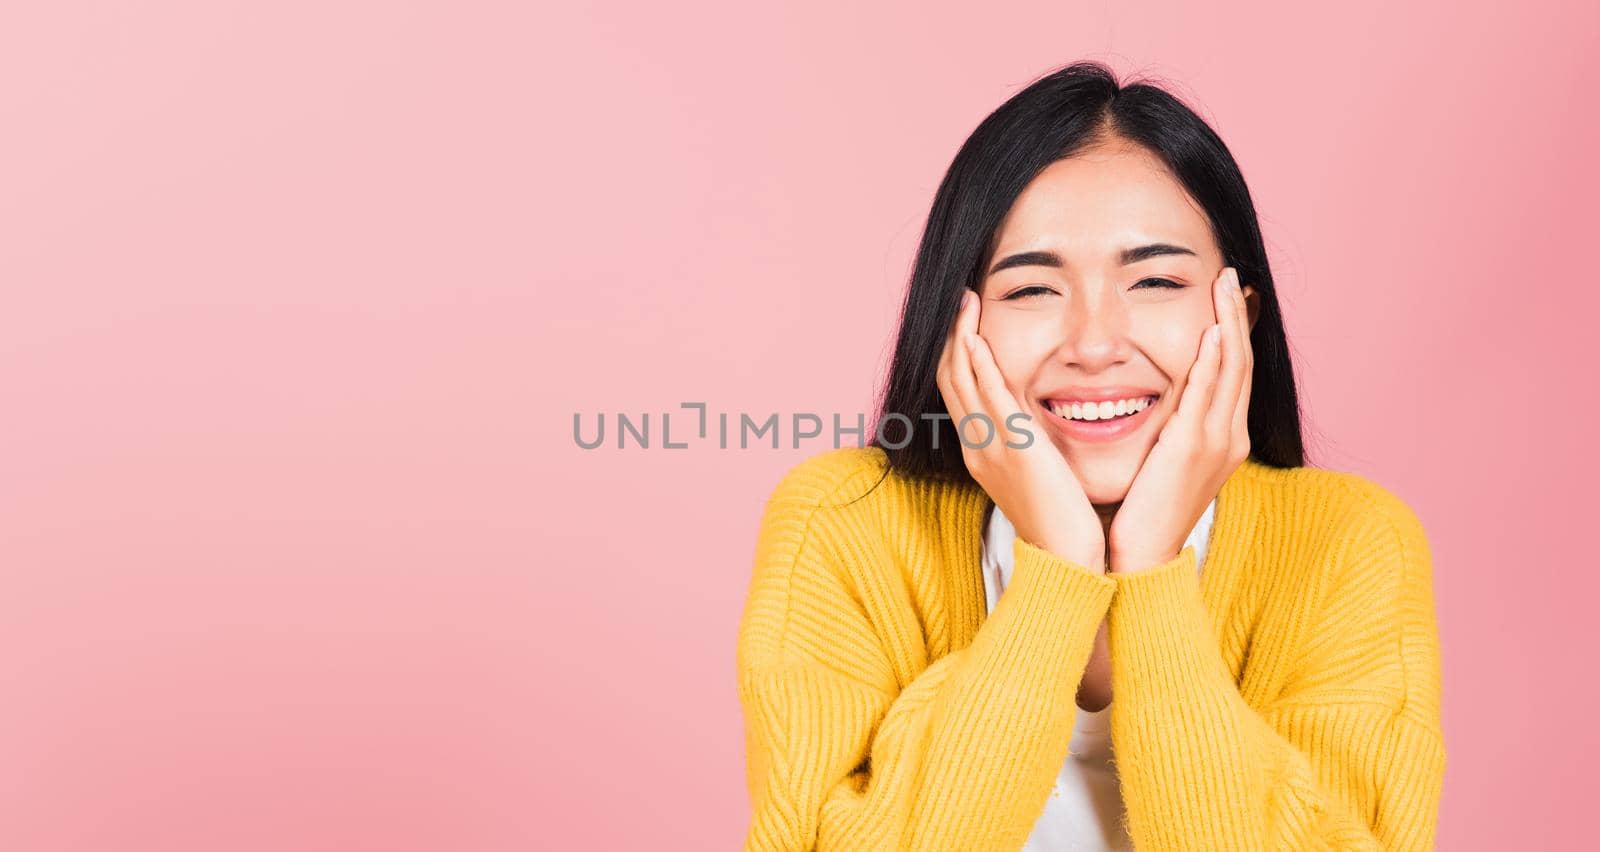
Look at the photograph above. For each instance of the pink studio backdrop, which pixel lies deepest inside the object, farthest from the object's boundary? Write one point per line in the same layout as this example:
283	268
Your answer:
300	300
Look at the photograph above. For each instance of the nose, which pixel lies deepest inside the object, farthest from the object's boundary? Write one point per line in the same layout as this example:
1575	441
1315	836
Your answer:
1095	331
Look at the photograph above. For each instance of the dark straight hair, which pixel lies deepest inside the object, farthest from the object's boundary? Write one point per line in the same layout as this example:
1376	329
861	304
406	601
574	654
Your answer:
1054	118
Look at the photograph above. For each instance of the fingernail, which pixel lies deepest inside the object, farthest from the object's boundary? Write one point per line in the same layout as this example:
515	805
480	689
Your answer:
966	298
972	342
1213	334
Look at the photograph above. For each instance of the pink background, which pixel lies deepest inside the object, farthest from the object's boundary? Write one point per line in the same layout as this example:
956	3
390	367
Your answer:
300	300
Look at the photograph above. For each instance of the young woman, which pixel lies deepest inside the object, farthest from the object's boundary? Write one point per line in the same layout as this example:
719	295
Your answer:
1114	607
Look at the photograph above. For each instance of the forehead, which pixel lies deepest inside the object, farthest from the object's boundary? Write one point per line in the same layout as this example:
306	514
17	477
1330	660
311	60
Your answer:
1103	199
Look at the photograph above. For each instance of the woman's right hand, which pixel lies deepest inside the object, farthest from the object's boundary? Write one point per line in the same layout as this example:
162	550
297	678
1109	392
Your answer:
1033	485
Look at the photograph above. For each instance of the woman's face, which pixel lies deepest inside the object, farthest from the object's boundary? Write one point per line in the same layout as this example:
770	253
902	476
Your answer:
1107	287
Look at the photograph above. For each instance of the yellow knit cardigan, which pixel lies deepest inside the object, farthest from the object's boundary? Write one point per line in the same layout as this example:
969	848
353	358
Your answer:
1285	697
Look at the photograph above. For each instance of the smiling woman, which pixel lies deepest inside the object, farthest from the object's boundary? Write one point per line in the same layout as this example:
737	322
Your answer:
937	623
1100	298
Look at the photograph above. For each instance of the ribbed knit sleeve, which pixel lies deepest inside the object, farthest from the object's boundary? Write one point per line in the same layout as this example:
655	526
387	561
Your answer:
1350	755
842	756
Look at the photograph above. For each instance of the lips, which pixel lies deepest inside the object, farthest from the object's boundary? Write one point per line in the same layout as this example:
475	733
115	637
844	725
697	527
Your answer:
1098	431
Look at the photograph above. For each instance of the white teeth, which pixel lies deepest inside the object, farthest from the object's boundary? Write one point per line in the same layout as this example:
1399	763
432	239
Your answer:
1102	410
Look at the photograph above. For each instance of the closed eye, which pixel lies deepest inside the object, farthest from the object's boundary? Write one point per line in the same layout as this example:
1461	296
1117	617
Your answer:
1039	289
1025	292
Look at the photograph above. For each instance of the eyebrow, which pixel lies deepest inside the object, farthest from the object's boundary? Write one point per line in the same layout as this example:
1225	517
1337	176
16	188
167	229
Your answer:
1127	256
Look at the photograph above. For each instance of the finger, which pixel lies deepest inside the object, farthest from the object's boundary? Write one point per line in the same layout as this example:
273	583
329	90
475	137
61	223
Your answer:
1230	379
996	398
1202	381
1241	409
948	394
952	341
961	377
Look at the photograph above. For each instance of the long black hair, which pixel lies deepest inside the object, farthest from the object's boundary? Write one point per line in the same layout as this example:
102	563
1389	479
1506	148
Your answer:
1055	117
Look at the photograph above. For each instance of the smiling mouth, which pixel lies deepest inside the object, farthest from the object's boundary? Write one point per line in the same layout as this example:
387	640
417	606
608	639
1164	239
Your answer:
1092	412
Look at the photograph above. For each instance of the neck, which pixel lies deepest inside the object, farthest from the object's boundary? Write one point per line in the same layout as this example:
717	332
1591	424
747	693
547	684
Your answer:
1107	513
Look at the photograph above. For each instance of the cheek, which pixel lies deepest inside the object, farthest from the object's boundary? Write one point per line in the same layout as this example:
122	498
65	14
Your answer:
1174	347
1169	335
1014	366
1019	347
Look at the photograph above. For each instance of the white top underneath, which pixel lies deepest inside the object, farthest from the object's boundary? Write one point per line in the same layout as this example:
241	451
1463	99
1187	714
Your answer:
1084	811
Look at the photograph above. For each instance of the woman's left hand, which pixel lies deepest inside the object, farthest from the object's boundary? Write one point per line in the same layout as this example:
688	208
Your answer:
1200	446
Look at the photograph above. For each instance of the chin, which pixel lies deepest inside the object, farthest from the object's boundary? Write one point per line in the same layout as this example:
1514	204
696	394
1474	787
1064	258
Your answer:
1106	481
1105	494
